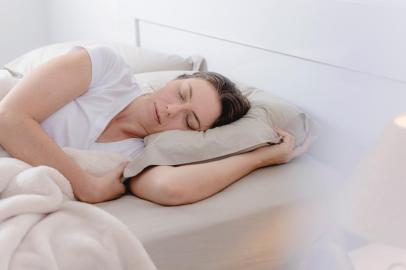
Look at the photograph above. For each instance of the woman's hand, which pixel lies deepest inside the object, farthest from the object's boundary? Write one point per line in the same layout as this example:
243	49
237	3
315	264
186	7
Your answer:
95	189
282	152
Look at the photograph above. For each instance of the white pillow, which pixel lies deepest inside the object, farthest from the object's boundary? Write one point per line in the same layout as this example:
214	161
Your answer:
139	59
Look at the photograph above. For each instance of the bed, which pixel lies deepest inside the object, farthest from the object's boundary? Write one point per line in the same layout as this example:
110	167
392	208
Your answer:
263	221
273	218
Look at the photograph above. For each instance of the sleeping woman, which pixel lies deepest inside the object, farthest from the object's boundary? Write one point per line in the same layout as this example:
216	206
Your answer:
88	99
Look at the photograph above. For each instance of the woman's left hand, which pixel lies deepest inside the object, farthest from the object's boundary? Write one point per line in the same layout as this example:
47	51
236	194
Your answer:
102	188
282	152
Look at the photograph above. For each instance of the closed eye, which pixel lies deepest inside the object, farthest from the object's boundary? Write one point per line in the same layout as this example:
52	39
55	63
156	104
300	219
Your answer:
186	122
181	97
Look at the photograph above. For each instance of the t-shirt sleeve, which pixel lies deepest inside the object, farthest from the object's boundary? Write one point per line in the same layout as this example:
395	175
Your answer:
108	67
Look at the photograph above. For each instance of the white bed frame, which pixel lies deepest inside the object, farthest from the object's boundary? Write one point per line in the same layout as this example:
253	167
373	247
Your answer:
352	106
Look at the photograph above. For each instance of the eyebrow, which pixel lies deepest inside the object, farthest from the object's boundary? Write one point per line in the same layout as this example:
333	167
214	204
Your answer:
190	95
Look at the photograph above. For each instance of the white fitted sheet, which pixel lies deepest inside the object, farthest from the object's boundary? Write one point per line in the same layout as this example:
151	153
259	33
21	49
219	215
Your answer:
229	230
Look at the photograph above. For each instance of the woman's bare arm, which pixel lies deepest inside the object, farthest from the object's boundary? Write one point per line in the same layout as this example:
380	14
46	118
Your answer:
48	88
168	185
185	184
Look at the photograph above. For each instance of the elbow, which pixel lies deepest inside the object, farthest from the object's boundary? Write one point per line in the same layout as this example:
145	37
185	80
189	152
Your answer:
158	186
9	120
172	194
8	117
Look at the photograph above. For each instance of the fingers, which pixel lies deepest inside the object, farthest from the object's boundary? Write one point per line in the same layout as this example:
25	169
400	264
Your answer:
119	172
282	132
290	140
286	137
121	167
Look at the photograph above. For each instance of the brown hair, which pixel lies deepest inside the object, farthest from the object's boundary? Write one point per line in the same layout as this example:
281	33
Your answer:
234	104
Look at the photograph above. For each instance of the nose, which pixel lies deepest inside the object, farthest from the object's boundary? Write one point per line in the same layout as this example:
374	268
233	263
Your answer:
175	109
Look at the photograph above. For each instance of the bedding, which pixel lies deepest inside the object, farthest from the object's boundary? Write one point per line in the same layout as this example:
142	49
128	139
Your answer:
242	227
139	59
42	226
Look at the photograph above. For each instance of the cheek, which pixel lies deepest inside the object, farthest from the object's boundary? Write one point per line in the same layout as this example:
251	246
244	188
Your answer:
164	98
175	123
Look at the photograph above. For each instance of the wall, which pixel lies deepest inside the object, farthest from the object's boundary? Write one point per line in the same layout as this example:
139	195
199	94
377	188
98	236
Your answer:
83	20
23	26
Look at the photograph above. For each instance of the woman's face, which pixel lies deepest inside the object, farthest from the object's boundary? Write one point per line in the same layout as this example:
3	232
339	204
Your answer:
185	104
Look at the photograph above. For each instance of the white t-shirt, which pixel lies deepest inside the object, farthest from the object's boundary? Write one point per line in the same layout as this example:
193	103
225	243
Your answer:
80	122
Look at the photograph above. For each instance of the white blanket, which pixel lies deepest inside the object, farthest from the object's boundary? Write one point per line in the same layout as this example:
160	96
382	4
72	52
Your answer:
42	226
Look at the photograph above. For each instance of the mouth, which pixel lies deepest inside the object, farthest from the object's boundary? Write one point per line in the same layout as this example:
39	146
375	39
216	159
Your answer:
156	114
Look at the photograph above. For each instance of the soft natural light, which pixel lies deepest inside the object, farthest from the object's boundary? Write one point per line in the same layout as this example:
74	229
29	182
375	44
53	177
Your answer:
99	99
400	121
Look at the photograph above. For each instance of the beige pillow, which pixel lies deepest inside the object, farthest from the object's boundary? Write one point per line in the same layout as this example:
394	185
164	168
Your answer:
255	129
139	59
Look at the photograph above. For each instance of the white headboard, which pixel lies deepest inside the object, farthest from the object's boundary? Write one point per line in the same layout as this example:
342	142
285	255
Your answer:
351	104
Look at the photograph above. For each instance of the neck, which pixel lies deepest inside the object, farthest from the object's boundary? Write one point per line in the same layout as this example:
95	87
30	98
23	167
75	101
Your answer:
128	123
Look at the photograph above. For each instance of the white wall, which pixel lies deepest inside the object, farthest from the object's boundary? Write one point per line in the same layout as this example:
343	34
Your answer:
83	20
361	35
23	26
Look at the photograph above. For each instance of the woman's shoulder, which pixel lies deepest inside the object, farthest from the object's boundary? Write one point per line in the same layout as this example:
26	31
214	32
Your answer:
108	67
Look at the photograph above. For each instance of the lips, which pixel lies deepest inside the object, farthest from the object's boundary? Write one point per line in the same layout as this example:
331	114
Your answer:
156	114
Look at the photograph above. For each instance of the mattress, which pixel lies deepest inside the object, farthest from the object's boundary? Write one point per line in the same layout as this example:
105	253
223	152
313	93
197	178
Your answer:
259	222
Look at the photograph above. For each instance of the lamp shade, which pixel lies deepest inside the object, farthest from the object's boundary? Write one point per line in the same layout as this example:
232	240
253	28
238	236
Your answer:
373	202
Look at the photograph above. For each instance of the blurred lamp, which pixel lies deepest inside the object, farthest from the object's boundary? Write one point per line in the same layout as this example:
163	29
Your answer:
373	202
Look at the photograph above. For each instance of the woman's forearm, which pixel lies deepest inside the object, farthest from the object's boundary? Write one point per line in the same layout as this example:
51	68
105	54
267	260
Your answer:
184	184
23	138
199	181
